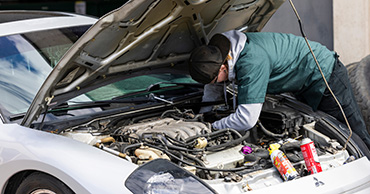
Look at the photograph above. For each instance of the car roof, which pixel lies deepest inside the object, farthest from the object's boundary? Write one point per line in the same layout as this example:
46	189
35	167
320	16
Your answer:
18	22
13	16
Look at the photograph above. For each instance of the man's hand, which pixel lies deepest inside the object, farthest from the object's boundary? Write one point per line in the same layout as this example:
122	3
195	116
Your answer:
211	116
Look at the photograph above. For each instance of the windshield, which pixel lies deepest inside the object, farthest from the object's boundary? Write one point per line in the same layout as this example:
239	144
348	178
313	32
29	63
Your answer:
136	84
26	60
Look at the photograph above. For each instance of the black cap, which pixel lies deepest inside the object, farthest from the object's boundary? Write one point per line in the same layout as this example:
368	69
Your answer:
206	60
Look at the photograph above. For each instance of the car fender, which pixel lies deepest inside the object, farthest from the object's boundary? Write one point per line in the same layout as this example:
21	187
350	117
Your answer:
81	167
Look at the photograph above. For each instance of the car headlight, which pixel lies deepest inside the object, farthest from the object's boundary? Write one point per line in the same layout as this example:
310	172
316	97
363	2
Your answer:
162	176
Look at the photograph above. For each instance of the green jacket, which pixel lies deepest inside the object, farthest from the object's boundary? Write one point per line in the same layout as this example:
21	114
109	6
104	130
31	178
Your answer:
275	63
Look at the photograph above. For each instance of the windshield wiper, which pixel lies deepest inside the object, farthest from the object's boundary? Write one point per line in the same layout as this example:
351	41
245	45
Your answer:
153	96
64	107
157	86
95	104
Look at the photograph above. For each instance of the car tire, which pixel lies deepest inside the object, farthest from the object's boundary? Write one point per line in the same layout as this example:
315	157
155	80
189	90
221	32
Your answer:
40	183
360	81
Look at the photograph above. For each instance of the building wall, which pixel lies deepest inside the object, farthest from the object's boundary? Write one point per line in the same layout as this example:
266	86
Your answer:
316	15
340	25
351	29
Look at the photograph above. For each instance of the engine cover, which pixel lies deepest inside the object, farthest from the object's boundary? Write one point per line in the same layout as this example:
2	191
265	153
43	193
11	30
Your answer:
177	129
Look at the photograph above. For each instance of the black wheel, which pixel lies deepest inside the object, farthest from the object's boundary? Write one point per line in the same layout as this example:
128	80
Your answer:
359	75
39	183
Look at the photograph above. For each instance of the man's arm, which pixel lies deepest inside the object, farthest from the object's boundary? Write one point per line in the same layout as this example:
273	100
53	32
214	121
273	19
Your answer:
244	118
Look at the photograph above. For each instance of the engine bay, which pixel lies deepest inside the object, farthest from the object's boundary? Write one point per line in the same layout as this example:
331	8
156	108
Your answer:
187	139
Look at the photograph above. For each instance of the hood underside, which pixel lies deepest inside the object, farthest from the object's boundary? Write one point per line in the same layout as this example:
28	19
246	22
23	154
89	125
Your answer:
142	36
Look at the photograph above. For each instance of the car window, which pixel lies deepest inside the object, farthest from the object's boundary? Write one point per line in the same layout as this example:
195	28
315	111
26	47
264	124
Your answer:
25	62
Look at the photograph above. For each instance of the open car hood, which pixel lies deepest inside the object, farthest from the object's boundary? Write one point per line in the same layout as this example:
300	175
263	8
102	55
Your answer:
141	36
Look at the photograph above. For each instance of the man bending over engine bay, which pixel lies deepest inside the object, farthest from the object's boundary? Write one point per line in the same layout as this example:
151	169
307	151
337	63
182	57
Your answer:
274	63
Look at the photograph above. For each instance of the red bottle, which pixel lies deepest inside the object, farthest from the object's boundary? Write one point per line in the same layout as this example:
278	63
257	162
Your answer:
310	156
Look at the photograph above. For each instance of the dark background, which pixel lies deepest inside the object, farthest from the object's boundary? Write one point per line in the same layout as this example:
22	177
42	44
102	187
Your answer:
93	7
317	17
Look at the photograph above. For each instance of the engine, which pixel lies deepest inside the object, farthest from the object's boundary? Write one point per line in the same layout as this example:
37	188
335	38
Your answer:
187	139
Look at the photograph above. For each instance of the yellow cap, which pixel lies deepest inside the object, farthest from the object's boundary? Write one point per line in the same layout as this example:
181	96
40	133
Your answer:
273	147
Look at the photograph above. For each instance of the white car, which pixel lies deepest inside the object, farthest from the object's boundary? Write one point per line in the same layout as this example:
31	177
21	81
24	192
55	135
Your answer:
117	112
